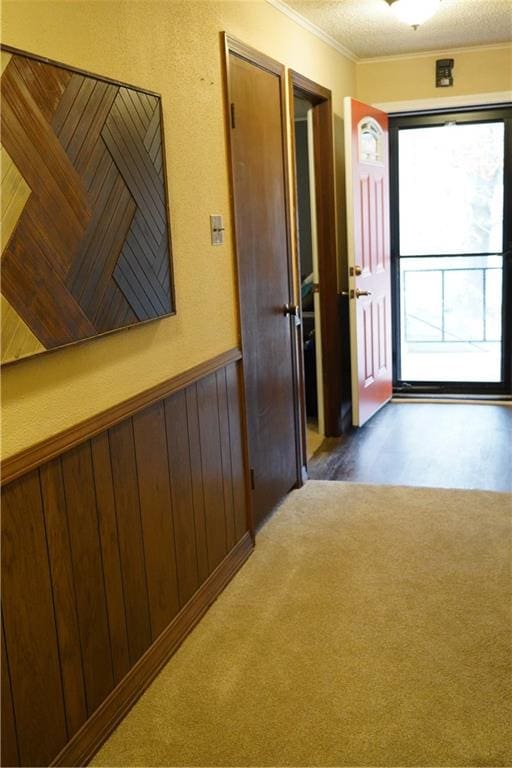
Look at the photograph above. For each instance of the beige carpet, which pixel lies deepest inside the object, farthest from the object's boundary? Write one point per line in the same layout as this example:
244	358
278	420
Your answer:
371	627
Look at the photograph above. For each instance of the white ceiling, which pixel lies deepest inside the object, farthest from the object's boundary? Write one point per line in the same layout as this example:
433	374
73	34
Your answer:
368	28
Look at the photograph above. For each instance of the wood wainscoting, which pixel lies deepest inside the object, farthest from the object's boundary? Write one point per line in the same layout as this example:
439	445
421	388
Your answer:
111	552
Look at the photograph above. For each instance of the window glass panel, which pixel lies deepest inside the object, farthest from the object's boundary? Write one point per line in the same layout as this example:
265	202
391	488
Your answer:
493	299
370	142
451	196
423	304
464	304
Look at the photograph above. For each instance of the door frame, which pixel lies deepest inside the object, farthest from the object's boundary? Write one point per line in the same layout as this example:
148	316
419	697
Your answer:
231	45
330	314
418	119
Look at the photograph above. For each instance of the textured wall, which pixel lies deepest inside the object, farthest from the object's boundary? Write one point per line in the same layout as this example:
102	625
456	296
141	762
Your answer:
398	79
171	47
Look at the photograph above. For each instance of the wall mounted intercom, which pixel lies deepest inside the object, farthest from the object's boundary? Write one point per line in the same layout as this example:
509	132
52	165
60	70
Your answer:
444	76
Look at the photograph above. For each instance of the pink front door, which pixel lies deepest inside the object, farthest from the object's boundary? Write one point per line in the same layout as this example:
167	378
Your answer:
367	181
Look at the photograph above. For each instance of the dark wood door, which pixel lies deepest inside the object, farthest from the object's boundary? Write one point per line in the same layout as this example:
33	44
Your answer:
265	287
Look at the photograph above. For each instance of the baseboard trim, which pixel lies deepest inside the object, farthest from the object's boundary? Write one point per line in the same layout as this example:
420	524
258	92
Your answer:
86	742
30	458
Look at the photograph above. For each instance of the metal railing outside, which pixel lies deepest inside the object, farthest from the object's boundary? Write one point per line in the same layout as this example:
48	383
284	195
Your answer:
447	336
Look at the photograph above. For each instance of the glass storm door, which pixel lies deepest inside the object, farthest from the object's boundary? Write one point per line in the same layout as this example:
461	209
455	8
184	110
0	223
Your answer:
451	232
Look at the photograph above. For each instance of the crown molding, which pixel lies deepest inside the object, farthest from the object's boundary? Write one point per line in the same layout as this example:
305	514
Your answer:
306	24
447	102
317	32
439	52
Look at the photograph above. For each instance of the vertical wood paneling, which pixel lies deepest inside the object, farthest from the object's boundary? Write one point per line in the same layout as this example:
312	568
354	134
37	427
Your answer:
212	469
102	547
197	481
88	574
9	740
110	552
225	451
30	634
64	598
156	515
126	494
237	451
178	447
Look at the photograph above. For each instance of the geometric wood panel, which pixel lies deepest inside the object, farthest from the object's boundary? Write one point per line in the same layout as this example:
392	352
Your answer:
17	338
15	193
85	237
104	546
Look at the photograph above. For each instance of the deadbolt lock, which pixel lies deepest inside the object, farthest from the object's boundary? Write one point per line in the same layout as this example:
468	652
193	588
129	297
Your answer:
356	271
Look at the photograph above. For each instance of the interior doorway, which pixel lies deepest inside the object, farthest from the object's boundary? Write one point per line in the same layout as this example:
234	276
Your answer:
307	253
317	277
451	235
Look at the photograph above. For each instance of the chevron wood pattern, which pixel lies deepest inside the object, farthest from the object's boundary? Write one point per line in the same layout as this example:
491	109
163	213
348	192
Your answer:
17	339
85	239
15	193
5	59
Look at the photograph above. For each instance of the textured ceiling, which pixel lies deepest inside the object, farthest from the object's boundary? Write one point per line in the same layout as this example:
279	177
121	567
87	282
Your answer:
368	28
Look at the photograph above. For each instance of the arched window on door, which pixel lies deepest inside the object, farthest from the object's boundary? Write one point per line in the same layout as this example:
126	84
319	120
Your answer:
371	144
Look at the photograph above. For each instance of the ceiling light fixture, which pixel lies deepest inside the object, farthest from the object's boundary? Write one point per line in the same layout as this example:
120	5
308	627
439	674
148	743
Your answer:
414	12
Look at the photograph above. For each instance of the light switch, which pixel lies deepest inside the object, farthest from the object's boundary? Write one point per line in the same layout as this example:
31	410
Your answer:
217	229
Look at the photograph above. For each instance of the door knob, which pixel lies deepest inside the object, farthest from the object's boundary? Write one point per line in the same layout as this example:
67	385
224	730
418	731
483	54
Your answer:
362	293
291	309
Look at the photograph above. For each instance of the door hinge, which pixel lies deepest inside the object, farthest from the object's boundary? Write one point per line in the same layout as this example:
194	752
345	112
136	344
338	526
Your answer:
232	109
252	479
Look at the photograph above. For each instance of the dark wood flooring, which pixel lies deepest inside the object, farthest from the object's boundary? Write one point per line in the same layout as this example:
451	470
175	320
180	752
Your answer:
430	444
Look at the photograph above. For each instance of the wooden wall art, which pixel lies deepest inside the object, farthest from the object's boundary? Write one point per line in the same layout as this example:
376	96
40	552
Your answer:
85	236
